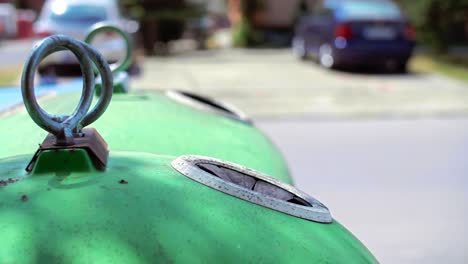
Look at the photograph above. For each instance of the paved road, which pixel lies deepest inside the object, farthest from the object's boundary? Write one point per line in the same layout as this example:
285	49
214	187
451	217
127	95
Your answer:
273	83
400	186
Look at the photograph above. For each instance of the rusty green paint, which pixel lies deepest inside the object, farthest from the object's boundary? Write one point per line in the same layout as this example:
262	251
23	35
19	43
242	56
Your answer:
158	215
154	123
141	210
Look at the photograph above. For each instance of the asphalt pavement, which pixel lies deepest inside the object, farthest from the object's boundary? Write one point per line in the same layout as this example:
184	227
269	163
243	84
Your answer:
399	185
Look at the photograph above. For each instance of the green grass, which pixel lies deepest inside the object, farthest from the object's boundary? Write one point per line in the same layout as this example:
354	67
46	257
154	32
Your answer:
9	76
449	65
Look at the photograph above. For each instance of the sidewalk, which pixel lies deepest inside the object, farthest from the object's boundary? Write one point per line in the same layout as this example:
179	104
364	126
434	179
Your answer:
14	52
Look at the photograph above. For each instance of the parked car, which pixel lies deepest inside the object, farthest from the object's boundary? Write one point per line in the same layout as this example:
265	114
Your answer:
8	27
75	18
355	32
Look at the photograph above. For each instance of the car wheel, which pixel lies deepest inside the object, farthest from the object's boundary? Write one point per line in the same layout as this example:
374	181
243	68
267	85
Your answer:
46	71
299	48
135	69
326	58
403	67
395	66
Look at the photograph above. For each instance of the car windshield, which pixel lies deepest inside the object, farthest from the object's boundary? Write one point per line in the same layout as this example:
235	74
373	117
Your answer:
78	14
369	9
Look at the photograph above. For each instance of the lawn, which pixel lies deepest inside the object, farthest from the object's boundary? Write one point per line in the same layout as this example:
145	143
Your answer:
9	76
449	65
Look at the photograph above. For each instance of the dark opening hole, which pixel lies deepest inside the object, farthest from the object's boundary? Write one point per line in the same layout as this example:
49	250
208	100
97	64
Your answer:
252	183
299	201
207	101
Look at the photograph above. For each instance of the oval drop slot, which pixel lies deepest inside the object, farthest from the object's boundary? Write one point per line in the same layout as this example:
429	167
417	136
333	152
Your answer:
208	104
252	186
252	183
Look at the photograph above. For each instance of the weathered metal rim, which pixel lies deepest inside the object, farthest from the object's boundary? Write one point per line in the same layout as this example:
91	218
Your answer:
187	166
234	112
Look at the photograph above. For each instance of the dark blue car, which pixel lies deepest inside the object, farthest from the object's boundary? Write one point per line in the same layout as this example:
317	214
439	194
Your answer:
355	32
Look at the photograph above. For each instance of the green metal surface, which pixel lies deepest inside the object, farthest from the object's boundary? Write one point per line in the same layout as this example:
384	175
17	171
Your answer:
143	211
63	162
154	123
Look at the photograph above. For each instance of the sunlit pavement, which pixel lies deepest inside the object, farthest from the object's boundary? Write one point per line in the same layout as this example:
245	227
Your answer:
14	52
270	83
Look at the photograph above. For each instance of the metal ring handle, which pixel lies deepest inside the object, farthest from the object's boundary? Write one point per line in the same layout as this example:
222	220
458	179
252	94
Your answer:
62	129
126	61
107	91
107	86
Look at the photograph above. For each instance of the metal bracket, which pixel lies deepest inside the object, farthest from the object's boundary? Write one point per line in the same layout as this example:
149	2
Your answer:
89	139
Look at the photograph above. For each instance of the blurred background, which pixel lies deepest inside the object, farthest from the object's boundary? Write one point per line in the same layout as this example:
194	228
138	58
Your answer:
367	99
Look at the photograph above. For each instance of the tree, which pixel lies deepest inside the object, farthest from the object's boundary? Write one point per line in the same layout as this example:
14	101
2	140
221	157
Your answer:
161	20
244	33
435	20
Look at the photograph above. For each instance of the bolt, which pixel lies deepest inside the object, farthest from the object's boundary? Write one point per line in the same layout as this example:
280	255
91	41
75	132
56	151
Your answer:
24	198
123	182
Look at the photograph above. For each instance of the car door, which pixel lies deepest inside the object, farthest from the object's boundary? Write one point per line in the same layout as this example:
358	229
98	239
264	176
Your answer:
319	24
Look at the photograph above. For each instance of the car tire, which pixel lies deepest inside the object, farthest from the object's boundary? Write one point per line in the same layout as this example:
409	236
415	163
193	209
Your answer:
299	48
396	66
46	71
326	57
403	67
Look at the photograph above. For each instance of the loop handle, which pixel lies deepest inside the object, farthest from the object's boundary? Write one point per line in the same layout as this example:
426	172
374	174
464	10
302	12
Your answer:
62	127
101	27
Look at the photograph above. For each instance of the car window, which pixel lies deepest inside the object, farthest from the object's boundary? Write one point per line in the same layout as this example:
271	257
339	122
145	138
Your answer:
369	9
78	14
322	8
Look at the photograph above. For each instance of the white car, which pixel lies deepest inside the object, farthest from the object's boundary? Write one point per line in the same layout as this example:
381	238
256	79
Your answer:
74	18
7	21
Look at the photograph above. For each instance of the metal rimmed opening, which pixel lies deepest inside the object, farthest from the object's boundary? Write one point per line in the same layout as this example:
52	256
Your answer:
252	186
208	104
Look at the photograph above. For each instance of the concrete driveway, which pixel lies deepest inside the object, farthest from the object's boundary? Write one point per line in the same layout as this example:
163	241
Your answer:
270	83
